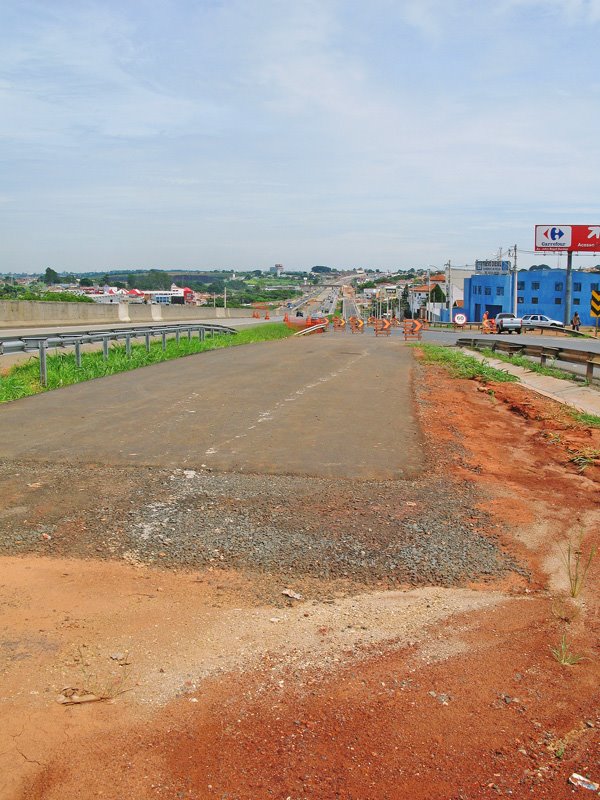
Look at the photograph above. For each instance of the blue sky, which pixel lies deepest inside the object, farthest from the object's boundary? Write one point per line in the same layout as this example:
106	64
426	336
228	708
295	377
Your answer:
242	133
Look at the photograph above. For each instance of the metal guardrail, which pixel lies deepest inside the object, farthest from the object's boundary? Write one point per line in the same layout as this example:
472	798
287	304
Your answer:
541	329
586	358
42	342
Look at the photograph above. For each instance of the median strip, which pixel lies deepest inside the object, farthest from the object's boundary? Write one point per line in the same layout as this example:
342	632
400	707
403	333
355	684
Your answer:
23	380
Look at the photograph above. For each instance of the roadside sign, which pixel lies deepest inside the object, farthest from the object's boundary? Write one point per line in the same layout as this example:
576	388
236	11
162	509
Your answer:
383	327
492	267
460	319
565	238
595	305
412	329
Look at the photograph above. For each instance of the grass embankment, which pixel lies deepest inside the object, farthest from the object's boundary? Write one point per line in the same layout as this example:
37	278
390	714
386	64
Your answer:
532	366
23	380
591	420
463	366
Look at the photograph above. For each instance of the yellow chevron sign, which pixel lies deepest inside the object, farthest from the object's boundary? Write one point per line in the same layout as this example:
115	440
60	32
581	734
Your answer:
595	304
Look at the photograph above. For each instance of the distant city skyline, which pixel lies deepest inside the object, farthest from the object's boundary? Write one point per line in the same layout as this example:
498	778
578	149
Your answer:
237	134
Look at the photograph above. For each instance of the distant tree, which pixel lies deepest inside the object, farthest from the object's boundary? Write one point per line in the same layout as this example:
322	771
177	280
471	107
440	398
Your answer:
132	281
119	284
322	269
153	280
86	282
105	279
50	276
539	266
404	304
436	295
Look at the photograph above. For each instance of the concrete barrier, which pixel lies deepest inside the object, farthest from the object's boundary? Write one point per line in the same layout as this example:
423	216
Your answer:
27	313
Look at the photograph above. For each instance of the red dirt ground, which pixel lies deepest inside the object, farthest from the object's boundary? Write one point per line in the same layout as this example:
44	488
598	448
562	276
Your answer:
475	707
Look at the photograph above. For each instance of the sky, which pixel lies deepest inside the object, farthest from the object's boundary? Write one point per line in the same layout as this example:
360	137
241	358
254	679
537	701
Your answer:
215	134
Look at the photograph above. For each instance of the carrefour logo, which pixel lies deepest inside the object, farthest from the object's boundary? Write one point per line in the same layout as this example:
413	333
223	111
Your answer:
553	236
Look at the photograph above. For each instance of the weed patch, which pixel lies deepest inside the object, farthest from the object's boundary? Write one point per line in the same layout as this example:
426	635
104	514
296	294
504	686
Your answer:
564	655
584	458
577	565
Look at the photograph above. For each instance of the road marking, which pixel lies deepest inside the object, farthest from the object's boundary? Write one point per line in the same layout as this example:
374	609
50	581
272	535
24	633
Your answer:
267	416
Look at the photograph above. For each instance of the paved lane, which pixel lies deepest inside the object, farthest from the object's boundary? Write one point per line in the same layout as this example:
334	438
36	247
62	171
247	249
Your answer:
331	405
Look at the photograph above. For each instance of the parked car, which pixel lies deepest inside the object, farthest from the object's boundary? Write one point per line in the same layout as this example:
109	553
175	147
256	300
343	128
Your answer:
508	323
540	320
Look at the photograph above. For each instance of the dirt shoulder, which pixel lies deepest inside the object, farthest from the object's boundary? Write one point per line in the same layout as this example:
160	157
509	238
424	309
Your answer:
429	679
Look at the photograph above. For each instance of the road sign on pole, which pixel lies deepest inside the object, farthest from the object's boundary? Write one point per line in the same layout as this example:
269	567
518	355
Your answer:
595	307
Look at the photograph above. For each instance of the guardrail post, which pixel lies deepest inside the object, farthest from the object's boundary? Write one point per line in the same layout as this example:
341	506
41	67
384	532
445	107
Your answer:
189	333
201	334
147	338
78	353
128	345
177	334
164	341
589	371
43	364
105	347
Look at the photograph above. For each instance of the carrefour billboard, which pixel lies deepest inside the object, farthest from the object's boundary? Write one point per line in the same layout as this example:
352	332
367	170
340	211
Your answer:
576	238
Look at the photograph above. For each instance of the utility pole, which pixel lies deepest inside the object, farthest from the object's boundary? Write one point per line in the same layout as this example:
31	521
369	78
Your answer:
427	306
568	287
225	297
515	275
449	289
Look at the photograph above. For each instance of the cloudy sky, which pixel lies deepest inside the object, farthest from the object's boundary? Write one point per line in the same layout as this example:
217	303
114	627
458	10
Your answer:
222	133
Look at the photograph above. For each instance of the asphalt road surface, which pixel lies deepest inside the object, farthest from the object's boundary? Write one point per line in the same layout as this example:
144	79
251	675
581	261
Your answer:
327	405
547	339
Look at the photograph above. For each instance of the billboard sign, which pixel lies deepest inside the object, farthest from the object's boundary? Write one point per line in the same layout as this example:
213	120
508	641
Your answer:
562	238
492	267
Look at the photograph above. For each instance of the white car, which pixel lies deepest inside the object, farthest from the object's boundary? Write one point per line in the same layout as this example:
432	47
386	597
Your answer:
541	321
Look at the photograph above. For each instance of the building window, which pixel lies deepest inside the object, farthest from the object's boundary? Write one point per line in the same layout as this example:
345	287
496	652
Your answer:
576	301
535	285
558	287
520	285
520	299
594	287
499	290
534	301
558	301
576	287
487	290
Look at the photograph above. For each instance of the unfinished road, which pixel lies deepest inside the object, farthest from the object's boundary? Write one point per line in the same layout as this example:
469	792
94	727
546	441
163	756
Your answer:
296	569
338	407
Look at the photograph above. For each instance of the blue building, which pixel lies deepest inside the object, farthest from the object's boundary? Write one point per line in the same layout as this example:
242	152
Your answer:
541	291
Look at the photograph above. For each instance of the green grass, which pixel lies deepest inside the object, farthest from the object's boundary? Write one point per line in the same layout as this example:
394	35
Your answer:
23	380
591	420
526	363
463	366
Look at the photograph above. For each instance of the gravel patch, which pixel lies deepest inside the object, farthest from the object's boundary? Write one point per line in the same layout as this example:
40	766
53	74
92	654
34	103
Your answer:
422	532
